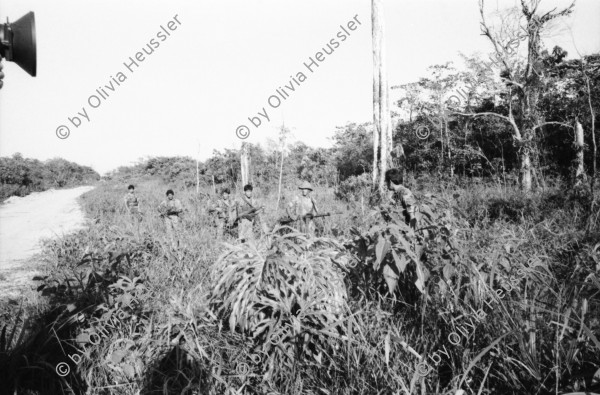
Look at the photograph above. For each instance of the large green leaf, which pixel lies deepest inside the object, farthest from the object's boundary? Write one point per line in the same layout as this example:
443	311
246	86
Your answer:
381	250
390	277
400	261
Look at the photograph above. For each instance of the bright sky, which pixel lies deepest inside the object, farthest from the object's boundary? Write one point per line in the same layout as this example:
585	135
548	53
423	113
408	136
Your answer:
220	66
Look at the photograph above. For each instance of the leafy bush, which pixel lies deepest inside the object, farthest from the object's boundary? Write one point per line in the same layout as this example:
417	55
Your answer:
390	245
288	297
519	300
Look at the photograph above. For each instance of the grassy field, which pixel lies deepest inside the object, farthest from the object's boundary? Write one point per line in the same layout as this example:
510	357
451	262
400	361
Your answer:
496	293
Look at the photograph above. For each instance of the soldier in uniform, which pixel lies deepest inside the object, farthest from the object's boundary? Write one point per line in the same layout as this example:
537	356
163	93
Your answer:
401	195
302	208
246	203
132	203
226	211
169	210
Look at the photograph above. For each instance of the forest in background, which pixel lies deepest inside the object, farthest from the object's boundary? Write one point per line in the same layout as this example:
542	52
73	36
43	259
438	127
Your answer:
435	140
429	123
20	176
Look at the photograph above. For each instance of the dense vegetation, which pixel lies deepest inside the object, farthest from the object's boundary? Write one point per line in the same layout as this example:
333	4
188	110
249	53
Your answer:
455	144
496	291
20	176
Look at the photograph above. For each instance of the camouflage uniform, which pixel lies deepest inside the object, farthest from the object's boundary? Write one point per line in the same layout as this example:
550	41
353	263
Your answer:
226	213
301	206
246	226
170	210
132	204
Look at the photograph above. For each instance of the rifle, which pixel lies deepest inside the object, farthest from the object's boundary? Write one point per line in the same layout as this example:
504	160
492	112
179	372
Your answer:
288	220
248	214
168	213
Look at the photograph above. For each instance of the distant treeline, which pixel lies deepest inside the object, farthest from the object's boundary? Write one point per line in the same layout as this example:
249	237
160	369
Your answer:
436	138
20	176
223	168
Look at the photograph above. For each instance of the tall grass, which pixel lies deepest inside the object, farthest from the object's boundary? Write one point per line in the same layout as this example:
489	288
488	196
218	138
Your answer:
500	294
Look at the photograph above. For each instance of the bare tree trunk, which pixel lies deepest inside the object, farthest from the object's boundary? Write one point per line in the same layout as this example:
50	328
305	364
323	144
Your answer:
594	147
579	170
376	36
245	164
382	132
531	94
375	155
525	170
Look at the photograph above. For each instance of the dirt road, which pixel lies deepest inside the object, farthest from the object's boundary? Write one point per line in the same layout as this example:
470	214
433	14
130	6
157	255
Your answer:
23	223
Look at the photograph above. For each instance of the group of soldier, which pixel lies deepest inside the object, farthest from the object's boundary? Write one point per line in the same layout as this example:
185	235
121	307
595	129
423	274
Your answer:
244	213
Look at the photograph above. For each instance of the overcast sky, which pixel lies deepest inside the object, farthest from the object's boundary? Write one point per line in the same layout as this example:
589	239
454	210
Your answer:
219	65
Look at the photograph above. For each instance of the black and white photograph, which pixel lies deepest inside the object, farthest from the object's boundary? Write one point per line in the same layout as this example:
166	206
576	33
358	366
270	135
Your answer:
300	197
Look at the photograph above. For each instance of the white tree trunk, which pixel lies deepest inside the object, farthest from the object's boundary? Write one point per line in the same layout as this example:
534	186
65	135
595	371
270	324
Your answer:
382	132
245	164
375	154
579	170
526	171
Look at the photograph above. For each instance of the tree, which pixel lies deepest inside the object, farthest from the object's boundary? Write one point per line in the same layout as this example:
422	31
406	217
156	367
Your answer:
579	170
437	137
283	134
433	109
245	164
353	150
382	131
224	166
20	176
573	95
523	83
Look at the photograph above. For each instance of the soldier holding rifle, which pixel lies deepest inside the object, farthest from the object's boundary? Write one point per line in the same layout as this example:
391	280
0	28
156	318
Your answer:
248	210
304	208
169	210
226	212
